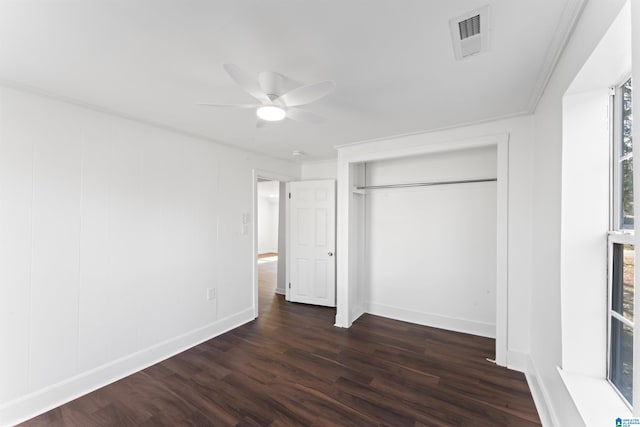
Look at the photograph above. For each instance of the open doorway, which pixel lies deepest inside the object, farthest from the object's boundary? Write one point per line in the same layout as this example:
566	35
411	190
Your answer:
268	227
269	237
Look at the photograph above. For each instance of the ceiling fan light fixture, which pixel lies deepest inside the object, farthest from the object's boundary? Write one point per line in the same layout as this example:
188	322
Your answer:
271	113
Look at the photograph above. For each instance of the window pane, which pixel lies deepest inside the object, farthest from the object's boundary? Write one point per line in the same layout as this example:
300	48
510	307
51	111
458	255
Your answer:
627	119
621	366
626	159
622	280
621	316
626	187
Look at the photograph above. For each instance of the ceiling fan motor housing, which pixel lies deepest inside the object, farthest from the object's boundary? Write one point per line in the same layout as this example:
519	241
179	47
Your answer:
272	84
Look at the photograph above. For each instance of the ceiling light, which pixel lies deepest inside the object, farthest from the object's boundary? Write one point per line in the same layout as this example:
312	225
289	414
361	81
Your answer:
298	153
271	113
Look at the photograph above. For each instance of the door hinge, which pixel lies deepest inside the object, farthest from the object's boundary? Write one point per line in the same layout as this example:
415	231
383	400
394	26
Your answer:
289	285
289	195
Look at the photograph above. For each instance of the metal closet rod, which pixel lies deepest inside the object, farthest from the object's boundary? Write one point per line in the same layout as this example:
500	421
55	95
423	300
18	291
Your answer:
425	184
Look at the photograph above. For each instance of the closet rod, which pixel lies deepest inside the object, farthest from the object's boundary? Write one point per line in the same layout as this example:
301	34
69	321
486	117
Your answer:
425	184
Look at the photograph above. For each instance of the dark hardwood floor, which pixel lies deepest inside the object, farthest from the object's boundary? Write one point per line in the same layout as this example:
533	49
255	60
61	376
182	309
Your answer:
292	367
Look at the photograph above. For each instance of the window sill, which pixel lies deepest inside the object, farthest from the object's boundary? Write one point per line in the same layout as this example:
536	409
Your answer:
596	401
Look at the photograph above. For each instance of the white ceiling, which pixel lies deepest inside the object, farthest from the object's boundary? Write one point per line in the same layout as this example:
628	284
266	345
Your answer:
392	61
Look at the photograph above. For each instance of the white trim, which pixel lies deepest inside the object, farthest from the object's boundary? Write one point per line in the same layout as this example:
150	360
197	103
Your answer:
547	418
340	321
620	318
621	237
434	320
343	217
635	53
29	406
434	130
522	362
357	312
519	361
287	210
256	174
563	31
502	251
541	397
349	157
595	399
444	145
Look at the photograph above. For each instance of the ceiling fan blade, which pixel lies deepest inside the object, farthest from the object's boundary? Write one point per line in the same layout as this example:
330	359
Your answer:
239	106
246	82
305	116
307	94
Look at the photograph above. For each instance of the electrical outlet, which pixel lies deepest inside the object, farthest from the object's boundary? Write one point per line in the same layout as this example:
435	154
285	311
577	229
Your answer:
211	294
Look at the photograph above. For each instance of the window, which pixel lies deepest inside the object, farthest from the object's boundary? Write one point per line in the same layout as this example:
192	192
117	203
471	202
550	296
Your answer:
621	248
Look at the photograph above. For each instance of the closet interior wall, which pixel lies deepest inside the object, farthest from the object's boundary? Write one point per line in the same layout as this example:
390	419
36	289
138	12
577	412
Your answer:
430	251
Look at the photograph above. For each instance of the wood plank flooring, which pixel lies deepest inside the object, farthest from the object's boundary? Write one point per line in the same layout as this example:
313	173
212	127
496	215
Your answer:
292	367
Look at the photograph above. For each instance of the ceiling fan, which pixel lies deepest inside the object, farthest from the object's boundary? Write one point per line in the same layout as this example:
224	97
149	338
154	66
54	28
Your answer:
276	103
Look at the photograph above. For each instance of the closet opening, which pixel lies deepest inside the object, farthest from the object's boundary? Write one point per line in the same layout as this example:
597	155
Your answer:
431	239
424	237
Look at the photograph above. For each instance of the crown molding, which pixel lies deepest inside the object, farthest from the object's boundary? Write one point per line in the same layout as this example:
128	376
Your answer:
568	19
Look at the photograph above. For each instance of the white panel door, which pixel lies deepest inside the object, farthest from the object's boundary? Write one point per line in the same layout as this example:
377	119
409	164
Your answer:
312	236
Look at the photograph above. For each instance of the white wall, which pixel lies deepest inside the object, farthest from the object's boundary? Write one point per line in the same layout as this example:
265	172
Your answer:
322	169
432	250
585	219
546	336
268	208
584	225
110	233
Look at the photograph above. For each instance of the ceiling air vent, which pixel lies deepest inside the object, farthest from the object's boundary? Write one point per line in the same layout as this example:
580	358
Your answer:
470	32
469	27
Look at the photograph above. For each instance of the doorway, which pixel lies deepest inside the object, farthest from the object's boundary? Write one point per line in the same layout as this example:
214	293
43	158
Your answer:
269	236
267	217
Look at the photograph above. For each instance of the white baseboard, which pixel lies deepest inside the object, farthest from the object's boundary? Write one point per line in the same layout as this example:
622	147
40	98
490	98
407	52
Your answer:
519	362
33	404
522	362
540	395
281	291
434	320
540	401
341	322
356	313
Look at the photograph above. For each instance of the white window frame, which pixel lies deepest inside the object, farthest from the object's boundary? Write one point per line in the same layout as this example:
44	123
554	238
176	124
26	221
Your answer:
623	238
616	234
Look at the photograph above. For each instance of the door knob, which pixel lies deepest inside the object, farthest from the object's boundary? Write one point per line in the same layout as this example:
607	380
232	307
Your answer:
330	253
